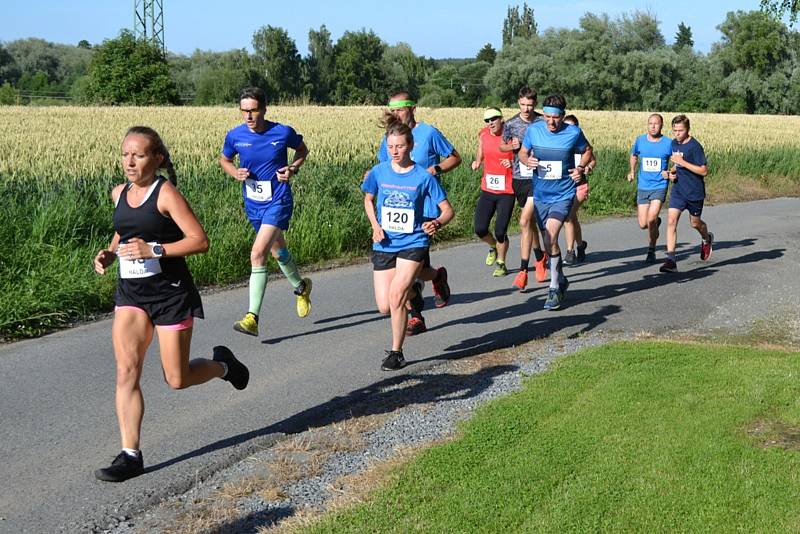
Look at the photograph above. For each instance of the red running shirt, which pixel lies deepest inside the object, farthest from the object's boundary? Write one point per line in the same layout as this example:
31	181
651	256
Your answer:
496	178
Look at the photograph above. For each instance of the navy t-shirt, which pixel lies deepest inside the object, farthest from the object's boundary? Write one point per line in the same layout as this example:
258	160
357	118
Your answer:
690	185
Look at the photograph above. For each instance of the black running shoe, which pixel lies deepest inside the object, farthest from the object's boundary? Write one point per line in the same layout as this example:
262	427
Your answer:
569	258
393	361
441	289
651	256
122	468
238	375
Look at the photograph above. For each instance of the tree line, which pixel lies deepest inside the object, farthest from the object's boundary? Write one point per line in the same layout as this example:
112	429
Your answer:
622	63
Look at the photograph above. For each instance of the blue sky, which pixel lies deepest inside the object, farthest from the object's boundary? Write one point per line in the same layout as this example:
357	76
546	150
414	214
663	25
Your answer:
438	29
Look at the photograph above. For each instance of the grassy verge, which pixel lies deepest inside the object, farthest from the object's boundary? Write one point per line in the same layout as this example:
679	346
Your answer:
638	437
54	228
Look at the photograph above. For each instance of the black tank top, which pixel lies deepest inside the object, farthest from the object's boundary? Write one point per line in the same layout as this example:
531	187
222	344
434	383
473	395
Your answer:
150	225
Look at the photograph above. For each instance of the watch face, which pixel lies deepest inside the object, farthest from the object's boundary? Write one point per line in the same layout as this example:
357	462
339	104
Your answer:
158	250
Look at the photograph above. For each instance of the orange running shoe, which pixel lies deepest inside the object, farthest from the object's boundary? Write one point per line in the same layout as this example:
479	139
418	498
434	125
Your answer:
521	280
541	268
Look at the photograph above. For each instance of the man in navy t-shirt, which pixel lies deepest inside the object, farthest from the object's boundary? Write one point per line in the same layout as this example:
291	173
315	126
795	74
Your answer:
264	171
688	190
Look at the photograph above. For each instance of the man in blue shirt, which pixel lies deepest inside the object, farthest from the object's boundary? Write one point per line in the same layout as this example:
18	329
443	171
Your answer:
264	171
433	151
550	147
650	153
688	190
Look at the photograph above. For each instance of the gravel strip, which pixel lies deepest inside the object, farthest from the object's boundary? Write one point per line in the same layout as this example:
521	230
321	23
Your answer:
433	400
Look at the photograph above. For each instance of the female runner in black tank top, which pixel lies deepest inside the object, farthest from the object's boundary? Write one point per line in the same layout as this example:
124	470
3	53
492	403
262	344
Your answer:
155	230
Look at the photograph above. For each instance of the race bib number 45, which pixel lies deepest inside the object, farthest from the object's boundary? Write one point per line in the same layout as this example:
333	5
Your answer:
400	220
496	182
651	164
551	170
260	191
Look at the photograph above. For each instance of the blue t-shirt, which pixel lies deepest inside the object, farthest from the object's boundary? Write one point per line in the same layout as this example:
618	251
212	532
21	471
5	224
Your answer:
653	158
263	154
430	146
689	185
555	152
399	204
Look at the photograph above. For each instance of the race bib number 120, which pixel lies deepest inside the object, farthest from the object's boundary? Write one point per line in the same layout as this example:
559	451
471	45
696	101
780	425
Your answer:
400	220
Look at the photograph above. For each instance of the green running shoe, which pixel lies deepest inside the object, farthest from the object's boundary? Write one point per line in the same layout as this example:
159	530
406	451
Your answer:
501	270
491	257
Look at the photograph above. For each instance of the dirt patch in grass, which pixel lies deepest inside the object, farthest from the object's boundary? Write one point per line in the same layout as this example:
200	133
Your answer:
738	188
774	434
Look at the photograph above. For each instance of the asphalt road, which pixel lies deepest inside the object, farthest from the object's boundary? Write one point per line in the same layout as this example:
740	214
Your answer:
57	392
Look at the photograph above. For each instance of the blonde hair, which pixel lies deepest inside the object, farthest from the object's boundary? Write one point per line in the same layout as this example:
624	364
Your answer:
157	146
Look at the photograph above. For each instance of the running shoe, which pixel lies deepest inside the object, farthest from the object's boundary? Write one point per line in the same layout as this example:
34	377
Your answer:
304	299
237	374
491	257
393	361
705	247
562	287
501	270
248	325
569	258
553	301
417	301
669	266
541	268
441	289
123	467
416	325
580	254
651	256
521	280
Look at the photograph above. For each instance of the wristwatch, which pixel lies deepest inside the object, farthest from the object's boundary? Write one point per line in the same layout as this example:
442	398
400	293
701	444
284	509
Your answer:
438	170
158	250
295	169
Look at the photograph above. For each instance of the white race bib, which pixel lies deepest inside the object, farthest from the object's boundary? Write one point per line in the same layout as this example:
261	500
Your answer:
552	170
260	191
142	268
525	171
651	164
496	182
400	220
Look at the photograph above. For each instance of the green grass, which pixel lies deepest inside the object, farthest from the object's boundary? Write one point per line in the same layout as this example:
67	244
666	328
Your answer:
53	229
632	437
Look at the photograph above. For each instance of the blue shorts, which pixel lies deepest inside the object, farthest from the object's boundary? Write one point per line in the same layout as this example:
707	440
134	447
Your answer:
557	210
645	196
694	207
276	213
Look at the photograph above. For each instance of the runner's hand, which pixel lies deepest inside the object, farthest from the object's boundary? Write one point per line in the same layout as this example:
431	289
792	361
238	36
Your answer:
533	161
576	175
506	163
475	165
103	259
242	173
429	227
135	249
631	177
377	234
284	173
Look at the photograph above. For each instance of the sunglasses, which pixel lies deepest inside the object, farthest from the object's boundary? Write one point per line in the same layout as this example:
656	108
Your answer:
490	120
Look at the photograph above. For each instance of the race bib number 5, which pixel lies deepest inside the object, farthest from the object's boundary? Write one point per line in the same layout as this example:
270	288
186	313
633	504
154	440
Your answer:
496	182
141	268
551	170
651	164
400	220
260	191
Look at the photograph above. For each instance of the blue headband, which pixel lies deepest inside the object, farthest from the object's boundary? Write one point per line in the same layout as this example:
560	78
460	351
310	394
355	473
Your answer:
553	110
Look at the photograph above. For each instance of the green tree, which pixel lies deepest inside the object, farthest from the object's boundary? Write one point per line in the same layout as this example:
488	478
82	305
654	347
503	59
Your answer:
83	43
319	65
8	95
778	8
487	54
516	25
403	69
358	76
9	70
220	85
278	61
683	39
129	71
752	40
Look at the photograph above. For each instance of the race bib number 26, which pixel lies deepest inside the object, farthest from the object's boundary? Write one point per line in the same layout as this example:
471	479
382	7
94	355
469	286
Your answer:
400	220
495	182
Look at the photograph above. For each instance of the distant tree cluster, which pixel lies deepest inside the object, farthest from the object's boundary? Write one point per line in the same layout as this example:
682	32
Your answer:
622	63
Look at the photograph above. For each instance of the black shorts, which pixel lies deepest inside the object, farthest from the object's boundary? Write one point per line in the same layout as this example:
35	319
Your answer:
383	261
522	190
170	306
